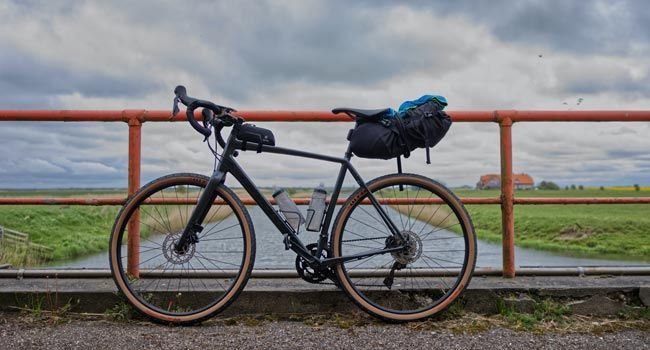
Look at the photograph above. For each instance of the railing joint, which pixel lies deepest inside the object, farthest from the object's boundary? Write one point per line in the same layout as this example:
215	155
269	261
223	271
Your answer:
134	117
505	117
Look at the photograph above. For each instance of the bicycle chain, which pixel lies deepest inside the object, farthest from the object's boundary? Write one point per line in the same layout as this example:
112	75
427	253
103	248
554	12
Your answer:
363	239
352	240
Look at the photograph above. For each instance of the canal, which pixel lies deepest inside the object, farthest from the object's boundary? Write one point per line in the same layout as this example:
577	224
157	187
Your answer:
271	252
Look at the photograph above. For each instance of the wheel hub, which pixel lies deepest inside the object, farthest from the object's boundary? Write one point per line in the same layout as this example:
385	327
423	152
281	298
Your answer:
412	247
174	256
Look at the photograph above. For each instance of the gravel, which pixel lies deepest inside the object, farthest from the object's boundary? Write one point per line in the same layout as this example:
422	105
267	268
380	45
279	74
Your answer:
19	332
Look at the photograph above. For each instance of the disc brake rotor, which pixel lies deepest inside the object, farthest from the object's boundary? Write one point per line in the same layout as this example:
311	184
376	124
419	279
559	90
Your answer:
172	255
412	250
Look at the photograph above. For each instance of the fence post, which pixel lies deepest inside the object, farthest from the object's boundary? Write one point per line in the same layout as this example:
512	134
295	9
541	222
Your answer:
507	194
133	252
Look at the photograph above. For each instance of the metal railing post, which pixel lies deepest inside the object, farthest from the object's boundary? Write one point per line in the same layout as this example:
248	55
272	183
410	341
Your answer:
133	253
507	195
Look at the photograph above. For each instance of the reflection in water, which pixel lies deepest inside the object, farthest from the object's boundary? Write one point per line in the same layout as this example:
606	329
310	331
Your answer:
220	238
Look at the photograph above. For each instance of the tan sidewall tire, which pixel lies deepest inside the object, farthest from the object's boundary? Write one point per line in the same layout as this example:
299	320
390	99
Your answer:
249	239
459	209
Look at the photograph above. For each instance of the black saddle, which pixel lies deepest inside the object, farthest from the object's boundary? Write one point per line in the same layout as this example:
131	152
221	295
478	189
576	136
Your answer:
356	113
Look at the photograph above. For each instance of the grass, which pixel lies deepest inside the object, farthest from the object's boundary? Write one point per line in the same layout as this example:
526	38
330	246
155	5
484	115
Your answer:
20	255
175	220
74	231
546	311
617	231
71	231
467	323
121	311
549	315
64	192
607	231
436	216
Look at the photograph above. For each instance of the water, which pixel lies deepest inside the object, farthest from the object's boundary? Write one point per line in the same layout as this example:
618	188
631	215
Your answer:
271	253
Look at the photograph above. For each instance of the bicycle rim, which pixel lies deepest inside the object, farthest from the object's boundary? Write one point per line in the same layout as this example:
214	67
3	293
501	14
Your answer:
434	267
188	286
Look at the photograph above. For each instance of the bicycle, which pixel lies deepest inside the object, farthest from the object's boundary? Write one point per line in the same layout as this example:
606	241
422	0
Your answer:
196	249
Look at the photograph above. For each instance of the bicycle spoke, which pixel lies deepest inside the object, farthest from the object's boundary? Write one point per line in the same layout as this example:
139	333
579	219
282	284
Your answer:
174	280
423	273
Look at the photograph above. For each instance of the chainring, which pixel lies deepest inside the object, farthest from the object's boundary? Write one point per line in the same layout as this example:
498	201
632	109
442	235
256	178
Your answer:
306	272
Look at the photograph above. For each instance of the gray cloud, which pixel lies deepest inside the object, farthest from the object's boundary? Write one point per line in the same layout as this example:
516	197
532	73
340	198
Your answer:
319	55
275	43
579	27
27	80
602	76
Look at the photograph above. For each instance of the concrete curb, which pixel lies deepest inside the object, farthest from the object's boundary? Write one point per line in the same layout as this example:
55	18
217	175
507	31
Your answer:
584	295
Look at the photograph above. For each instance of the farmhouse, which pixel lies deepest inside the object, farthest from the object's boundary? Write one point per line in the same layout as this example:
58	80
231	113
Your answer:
521	182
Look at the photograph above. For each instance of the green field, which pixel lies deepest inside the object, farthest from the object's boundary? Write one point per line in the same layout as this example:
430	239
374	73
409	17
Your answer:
71	231
619	231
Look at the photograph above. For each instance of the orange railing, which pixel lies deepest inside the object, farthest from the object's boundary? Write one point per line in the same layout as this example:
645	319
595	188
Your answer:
505	119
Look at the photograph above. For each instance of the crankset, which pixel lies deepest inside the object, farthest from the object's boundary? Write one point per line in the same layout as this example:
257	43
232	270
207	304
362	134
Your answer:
310	274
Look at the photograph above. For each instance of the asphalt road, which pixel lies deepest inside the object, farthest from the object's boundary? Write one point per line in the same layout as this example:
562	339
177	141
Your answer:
19	332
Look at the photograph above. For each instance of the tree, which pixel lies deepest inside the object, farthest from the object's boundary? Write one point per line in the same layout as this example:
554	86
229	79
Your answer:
548	185
637	187
602	188
566	188
573	187
581	188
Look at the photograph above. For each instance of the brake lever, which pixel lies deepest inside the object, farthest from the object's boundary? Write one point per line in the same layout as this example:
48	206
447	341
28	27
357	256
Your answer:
175	108
208	117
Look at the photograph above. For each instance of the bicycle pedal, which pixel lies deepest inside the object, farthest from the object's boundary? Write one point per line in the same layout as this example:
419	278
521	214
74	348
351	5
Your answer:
287	242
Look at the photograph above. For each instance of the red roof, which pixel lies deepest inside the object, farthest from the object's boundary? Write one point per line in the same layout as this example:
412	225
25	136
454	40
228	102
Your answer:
489	177
520	179
523	179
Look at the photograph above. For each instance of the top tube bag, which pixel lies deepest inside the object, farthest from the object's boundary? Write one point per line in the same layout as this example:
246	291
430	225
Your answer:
420	125
255	134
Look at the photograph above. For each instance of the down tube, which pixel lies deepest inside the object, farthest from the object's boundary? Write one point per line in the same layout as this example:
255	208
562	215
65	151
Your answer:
267	208
239	174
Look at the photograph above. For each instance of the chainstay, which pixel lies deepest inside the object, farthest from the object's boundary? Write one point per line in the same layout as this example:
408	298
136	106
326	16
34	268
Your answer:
363	239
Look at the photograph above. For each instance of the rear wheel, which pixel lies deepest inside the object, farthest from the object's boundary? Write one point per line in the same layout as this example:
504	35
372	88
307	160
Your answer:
191	285
439	252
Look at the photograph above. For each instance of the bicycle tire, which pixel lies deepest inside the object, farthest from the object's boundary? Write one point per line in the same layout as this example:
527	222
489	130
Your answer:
149	299
373	297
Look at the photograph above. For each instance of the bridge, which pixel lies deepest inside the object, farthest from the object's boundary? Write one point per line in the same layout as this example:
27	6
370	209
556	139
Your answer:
505	119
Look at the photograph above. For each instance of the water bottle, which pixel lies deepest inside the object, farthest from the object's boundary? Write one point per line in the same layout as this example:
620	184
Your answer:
316	209
288	208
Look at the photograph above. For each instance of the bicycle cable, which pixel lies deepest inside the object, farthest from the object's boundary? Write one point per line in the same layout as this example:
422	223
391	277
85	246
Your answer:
215	153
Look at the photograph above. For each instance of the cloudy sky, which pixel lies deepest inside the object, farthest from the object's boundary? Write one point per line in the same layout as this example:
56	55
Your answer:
317	55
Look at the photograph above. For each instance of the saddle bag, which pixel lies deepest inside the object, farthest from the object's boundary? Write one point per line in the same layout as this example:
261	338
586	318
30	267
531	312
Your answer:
418	127
255	134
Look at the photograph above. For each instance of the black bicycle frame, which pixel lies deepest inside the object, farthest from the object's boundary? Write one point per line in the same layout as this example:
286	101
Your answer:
227	164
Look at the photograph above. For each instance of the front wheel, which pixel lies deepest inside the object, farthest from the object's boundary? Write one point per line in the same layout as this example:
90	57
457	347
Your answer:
439	252
186	286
